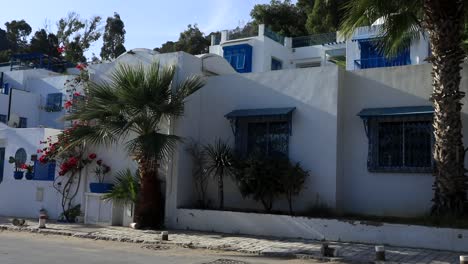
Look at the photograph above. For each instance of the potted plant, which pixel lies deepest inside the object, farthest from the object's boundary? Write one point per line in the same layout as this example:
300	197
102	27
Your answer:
29	171
18	174
100	172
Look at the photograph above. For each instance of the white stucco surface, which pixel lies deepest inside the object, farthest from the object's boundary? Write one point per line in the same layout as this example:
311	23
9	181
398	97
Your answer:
327	229
312	91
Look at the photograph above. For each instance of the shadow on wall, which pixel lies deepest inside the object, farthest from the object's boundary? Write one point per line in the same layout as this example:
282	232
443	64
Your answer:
391	194
314	129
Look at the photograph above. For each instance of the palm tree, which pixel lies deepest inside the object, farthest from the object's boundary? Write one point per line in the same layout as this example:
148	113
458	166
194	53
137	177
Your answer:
129	109
443	20
220	163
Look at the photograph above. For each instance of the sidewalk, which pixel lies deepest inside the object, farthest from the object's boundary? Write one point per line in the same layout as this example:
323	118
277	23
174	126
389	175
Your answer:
360	253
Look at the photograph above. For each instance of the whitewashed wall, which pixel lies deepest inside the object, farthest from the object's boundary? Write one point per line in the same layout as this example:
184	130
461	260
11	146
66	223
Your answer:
400	194
313	142
18	197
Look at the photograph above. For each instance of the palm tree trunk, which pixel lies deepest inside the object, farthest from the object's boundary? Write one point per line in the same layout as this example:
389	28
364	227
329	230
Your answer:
444	22
221	191
149	211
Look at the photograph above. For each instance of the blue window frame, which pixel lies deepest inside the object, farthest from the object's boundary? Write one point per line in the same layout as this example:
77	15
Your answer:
373	57
54	102
239	56
2	163
23	122
44	172
3	119
276	64
399	141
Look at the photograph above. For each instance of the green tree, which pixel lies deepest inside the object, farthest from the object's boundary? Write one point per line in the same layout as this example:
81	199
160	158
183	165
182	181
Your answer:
17	32
192	41
77	35
44	43
325	16
129	110
169	46
283	17
444	21
113	38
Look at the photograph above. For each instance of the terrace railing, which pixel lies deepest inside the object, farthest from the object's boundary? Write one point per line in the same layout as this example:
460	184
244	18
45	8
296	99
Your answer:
312	40
378	62
274	36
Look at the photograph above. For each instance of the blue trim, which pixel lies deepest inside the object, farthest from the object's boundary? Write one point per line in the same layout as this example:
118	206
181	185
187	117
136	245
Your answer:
44	172
239	56
372	56
263	112
396	111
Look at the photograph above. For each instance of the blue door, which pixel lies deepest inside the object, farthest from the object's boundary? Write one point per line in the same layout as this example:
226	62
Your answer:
2	163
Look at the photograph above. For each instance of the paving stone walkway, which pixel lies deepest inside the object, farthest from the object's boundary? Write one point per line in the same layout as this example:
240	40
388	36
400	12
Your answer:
358	253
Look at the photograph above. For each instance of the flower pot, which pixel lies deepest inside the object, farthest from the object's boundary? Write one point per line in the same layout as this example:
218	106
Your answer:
97	187
18	175
29	176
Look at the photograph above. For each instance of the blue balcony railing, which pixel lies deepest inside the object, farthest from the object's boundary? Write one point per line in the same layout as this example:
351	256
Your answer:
379	62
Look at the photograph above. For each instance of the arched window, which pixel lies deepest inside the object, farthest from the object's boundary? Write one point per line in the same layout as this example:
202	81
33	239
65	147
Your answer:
20	157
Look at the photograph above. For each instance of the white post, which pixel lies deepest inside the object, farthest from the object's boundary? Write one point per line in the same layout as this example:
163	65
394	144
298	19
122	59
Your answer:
464	259
213	39
224	36
288	42
164	235
380	253
261	30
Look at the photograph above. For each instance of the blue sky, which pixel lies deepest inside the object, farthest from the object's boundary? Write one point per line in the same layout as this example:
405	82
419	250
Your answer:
148	22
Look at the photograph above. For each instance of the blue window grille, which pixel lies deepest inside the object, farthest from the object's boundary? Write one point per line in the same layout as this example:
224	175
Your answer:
276	64
54	102
3	119
373	57
239	56
262	131
23	122
44	172
2	163
400	141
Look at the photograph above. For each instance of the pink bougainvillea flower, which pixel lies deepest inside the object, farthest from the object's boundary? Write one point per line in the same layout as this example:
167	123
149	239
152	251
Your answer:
39	151
92	156
61	49
76	94
24	166
68	104
81	66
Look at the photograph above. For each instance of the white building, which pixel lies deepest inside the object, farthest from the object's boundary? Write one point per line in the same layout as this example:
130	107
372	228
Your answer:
33	97
270	51
344	127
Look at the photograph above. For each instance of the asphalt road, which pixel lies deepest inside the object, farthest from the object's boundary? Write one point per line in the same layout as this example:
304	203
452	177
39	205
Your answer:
26	248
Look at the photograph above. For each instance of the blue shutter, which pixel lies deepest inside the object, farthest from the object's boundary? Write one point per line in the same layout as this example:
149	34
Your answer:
44	172
3	119
239	56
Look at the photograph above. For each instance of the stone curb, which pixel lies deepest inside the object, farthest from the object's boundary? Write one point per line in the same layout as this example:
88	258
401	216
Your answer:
94	236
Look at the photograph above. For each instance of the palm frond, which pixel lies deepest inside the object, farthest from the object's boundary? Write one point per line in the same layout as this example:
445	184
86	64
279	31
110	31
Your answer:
154	145
126	188
402	22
